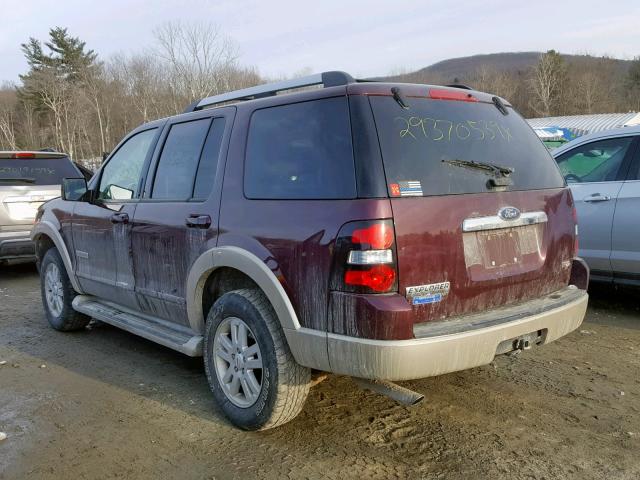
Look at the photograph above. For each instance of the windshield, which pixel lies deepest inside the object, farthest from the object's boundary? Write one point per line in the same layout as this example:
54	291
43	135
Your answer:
440	147
36	171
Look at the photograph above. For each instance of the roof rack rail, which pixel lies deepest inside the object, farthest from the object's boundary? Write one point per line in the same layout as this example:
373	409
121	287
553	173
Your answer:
328	79
459	85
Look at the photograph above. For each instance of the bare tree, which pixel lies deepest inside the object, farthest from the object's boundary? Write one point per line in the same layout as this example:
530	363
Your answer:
8	104
494	81
200	58
547	83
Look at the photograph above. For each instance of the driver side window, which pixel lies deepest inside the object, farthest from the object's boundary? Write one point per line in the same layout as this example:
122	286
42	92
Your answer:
594	162
120	177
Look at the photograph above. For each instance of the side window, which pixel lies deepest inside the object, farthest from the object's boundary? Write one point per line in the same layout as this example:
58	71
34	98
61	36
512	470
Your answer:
209	160
121	175
598	161
179	160
634	174
301	151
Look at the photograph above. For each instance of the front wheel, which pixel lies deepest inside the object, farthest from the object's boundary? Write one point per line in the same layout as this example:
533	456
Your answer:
250	369
58	293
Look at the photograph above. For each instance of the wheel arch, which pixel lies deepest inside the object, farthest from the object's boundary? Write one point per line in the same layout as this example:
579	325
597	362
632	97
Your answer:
246	263
45	233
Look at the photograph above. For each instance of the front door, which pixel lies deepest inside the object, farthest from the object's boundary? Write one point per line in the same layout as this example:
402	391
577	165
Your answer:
595	173
177	218
101	228
625	251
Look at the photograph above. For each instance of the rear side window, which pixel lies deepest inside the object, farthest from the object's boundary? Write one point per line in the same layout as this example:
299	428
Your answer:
427	148
36	171
179	160
596	161
209	160
301	151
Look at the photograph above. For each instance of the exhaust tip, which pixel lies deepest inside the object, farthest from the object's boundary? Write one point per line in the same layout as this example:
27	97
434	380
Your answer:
401	395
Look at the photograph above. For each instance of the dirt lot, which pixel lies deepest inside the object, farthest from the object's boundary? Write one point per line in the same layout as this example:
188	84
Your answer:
105	404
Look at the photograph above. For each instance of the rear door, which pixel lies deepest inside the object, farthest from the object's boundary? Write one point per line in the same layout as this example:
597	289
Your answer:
178	218
472	235
595	171
625	250
101	228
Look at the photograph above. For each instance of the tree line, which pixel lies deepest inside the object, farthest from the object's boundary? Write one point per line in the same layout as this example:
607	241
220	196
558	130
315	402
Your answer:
71	100
555	86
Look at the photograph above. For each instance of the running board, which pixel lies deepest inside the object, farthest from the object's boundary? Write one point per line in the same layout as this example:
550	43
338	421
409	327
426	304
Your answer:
165	333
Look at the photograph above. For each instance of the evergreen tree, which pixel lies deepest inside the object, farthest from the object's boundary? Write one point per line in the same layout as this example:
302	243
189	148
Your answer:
67	55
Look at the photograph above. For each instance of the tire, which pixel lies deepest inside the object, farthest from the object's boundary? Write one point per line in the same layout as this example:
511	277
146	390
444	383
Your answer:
57	294
283	384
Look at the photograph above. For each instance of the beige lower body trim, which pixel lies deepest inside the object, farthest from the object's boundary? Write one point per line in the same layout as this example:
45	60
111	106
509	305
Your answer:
419	358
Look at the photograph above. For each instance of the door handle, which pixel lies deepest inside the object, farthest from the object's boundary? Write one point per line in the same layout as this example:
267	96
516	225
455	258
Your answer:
120	218
198	221
596	197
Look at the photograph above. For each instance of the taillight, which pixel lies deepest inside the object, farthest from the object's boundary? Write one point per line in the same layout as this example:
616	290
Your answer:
365	258
378	236
23	155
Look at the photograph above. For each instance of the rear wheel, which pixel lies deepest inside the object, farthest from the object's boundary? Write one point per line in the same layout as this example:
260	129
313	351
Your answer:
249	366
57	294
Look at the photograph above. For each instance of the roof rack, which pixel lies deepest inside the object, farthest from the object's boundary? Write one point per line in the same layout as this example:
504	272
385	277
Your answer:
328	79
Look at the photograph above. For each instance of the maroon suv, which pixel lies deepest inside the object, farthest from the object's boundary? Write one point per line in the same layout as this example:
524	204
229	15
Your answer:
382	231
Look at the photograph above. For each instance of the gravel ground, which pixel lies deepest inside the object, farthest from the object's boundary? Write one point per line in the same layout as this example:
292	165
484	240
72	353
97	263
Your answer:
103	403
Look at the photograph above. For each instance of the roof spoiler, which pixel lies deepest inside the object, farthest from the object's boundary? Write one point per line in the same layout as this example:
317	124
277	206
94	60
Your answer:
32	154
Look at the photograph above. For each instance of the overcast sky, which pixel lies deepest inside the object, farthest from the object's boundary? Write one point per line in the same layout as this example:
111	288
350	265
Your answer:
364	38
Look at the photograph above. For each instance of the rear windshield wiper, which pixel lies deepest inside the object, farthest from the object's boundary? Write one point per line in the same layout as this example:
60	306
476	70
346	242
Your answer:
497	170
399	98
499	175
19	179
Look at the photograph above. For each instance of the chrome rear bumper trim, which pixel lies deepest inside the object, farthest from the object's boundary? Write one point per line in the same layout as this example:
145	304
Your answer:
494	222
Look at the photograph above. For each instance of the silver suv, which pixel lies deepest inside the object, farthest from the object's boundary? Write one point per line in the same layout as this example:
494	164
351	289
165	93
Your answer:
27	180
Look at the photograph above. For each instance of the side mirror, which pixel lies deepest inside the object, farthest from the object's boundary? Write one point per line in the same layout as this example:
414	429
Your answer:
73	189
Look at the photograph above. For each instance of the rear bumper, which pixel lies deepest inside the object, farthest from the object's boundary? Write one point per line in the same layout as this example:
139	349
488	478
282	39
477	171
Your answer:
444	353
16	245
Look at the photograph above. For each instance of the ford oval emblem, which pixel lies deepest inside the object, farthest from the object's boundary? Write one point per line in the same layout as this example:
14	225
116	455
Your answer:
509	213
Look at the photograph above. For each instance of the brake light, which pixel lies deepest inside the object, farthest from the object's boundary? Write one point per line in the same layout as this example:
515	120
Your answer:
442	94
379	278
365	258
23	155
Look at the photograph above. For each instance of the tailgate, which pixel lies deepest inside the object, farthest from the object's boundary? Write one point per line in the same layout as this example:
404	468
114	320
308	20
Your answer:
19	204
483	218
457	256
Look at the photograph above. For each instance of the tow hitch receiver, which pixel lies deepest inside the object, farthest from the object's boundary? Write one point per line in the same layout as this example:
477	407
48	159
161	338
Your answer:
523	342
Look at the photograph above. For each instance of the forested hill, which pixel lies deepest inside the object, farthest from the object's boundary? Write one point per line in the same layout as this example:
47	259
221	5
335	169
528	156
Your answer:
541	84
466	68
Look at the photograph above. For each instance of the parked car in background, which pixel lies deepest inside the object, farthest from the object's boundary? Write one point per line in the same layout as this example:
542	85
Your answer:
27	180
382	231
603	172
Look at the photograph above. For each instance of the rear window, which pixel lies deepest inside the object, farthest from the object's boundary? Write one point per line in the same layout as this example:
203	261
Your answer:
421	144
301	151
36	171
